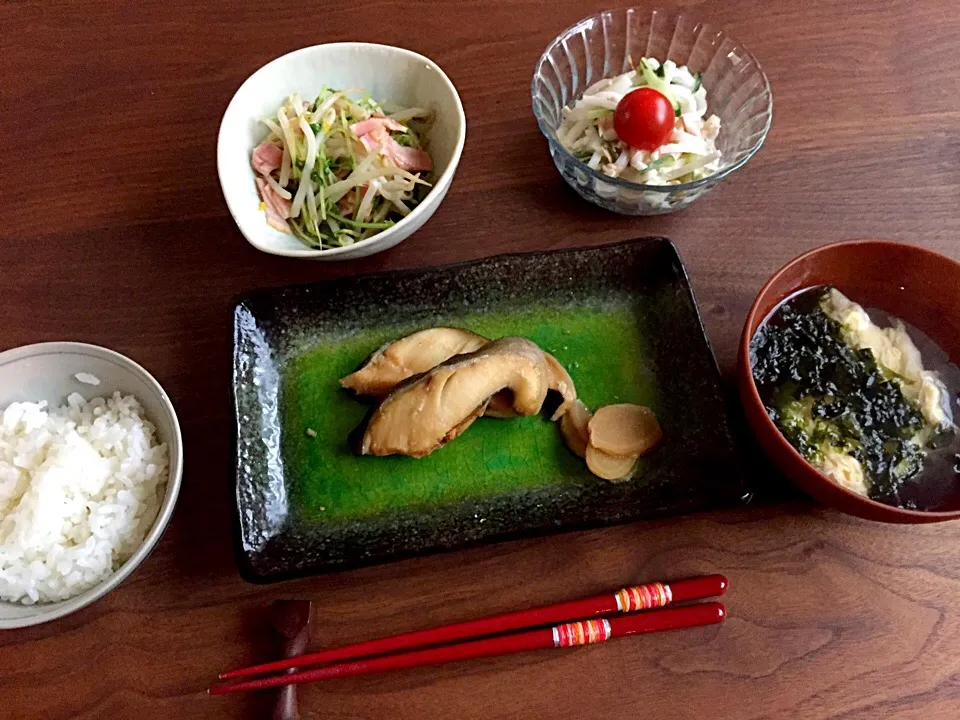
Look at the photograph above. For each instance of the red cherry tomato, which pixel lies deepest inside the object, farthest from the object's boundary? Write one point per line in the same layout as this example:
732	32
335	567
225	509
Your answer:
644	119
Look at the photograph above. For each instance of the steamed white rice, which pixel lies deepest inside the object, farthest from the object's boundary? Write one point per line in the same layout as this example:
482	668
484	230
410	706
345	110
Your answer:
80	487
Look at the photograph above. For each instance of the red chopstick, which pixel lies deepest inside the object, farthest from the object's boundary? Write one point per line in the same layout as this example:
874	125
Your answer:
566	635
639	597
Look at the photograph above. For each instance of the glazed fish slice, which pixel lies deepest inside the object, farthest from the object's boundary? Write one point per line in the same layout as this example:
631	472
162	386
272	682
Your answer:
425	412
414	354
424	350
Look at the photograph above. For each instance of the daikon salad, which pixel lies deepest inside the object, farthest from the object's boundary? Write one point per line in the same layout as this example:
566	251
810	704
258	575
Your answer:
341	168
689	153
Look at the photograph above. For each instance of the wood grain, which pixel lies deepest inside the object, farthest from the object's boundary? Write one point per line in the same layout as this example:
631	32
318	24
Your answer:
114	231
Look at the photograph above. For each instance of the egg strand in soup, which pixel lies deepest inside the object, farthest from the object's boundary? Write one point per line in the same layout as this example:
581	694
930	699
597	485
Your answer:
856	401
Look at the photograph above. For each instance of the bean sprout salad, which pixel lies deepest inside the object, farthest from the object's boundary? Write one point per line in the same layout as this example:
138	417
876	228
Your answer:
341	168
646	126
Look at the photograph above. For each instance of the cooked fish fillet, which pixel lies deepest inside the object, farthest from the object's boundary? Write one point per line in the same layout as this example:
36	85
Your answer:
428	410
414	354
558	379
411	355
501	406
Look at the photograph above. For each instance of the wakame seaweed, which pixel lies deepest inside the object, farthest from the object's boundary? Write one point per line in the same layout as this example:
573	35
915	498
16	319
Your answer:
822	392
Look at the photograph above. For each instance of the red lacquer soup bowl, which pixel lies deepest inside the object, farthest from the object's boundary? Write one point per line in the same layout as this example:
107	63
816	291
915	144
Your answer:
917	285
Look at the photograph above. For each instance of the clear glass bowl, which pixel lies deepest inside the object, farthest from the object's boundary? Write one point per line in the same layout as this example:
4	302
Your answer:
603	45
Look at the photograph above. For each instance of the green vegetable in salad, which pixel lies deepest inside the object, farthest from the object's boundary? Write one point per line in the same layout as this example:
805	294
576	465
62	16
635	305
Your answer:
598	127
652	79
341	168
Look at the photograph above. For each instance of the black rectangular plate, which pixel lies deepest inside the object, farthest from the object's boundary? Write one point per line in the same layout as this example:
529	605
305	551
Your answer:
695	469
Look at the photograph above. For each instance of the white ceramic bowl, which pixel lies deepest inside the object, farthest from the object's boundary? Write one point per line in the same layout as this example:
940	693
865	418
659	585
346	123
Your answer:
389	74
46	372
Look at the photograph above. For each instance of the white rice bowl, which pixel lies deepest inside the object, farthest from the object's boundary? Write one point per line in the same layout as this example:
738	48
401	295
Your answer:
80	488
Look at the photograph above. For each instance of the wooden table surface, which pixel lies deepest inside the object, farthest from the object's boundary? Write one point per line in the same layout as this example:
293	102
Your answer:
113	231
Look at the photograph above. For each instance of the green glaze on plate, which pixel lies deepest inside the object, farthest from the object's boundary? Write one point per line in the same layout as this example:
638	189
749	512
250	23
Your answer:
622	320
495	456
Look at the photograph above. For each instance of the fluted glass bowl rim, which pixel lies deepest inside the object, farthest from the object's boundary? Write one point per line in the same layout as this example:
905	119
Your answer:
626	184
